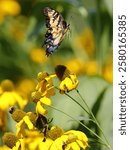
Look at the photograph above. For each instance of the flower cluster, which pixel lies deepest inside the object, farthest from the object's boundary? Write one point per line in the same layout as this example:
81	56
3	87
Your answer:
33	129
57	140
45	87
9	97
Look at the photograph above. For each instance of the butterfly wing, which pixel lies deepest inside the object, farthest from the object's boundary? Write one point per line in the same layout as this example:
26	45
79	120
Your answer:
57	28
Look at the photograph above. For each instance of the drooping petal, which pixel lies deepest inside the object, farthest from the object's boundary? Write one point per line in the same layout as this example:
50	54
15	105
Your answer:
40	109
28	122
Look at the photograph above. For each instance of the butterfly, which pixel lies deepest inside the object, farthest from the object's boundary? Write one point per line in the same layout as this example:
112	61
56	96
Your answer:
57	28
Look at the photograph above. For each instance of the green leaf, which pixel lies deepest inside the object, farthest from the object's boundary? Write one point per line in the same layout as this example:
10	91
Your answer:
105	114
109	6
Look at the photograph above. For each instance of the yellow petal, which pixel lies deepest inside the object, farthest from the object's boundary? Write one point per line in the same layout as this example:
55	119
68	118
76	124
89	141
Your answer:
46	144
45	101
22	146
69	83
34	143
20	132
17	146
21	102
4	147
28	122
7	100
40	109
74	146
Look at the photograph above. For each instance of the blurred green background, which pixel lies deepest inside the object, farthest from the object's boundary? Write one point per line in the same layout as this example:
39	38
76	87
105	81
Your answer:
86	51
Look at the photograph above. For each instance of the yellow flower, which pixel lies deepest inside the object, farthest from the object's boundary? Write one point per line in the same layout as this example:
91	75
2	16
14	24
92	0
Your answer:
25	87
38	55
43	91
68	84
82	139
75	65
70	140
56	139
68	79
9	96
9	7
45	85
91	68
23	119
108	71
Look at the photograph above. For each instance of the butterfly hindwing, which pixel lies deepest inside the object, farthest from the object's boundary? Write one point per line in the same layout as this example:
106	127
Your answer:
57	27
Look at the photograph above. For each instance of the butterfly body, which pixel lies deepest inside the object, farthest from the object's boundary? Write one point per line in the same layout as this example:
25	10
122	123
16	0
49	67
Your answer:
57	28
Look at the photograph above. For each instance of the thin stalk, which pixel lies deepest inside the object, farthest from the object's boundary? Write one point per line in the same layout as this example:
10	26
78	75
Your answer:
95	120
90	113
88	120
81	124
96	141
76	102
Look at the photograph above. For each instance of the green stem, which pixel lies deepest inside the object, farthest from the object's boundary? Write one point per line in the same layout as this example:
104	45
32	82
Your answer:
80	123
96	141
95	120
90	113
75	102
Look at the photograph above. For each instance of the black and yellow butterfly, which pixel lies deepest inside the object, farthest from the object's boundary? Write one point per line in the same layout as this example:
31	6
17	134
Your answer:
57	27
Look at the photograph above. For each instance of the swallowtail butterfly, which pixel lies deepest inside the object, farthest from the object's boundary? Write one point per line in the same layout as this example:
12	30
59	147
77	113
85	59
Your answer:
57	27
